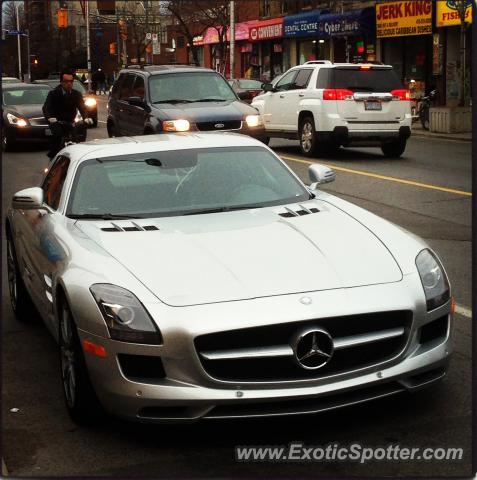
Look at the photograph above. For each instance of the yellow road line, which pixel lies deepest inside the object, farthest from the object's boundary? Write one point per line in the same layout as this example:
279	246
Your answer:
382	177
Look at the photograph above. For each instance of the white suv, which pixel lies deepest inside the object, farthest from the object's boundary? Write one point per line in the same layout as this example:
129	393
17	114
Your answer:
326	105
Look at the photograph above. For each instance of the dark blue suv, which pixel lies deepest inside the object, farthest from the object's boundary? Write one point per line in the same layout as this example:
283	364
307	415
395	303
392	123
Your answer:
176	98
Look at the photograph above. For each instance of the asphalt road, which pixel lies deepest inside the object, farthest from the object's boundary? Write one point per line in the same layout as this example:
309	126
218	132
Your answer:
39	439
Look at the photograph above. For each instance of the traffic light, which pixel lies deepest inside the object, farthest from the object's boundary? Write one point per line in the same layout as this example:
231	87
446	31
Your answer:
112	48
360	47
62	18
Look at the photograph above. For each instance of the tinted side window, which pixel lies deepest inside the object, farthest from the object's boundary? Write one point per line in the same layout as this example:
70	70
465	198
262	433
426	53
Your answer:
286	81
126	87
302	78
139	89
323	80
117	86
53	183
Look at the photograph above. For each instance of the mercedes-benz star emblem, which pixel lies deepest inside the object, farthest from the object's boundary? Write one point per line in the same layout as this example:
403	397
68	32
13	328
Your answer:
306	300
219	125
313	348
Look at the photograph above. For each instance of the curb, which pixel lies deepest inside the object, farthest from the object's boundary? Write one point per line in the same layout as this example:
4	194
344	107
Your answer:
4	468
440	137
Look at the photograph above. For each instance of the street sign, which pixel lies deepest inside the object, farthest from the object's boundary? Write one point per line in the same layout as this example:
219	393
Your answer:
148	36
156	48
154	37
14	32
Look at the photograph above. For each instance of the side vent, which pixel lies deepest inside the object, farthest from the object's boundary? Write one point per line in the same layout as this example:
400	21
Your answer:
298	213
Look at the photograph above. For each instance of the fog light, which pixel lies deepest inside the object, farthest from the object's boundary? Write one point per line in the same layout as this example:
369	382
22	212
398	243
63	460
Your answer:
253	120
21	123
176	125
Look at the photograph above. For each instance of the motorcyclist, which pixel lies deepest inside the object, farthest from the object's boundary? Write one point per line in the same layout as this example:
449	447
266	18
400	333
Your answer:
61	104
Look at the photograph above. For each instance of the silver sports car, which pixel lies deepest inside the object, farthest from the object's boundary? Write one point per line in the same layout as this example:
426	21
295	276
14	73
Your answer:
192	276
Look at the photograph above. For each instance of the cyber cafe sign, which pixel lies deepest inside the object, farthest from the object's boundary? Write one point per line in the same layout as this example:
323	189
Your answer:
338	27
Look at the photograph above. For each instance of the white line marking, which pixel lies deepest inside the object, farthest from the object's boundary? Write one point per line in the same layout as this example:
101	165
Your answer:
465	312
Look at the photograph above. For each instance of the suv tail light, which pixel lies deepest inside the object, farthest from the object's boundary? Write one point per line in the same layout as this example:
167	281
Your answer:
401	95
337	94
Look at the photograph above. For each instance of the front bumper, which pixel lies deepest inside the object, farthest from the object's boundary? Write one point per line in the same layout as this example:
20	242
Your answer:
28	133
187	393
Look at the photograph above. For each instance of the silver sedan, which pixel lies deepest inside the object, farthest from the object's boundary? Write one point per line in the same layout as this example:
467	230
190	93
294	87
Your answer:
191	276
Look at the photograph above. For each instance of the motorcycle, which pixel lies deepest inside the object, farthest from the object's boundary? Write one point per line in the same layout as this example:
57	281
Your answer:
424	106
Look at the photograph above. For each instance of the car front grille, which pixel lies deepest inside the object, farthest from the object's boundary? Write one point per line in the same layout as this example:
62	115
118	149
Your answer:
38	122
267	353
219	126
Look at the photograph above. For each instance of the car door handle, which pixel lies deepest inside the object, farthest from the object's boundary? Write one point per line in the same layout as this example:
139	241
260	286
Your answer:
282	96
301	94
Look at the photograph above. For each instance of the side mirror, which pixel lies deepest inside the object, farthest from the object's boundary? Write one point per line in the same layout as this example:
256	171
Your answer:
137	102
244	95
28	199
320	174
267	87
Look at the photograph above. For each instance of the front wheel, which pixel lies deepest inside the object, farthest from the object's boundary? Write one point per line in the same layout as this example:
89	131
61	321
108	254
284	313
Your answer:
307	137
394	149
80	398
424	117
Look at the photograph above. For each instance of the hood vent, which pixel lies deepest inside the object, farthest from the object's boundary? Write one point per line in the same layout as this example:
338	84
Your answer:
298	213
135	227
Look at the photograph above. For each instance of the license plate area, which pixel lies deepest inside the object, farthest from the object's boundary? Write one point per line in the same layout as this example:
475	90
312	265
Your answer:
48	132
373	105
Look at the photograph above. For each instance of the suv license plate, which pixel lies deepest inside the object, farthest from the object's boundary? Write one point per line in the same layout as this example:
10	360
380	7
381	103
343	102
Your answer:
373	106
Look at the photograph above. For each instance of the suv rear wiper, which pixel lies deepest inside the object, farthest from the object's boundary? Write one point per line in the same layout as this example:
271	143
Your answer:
102	216
174	100
223	209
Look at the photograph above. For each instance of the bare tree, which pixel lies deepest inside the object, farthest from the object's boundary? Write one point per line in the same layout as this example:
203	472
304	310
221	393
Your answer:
9	15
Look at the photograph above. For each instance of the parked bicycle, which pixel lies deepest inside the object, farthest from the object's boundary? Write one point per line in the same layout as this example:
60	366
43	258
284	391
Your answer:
424	107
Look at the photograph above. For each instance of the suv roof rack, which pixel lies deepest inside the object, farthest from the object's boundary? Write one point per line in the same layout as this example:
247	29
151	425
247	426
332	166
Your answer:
318	62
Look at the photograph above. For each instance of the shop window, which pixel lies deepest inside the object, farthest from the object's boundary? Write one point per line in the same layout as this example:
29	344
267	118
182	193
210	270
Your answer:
265	8
284	6
306	4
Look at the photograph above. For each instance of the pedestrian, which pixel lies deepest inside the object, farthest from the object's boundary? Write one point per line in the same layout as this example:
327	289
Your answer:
100	79
61	105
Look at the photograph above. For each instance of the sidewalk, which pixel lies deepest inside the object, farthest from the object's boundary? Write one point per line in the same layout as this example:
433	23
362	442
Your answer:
418	131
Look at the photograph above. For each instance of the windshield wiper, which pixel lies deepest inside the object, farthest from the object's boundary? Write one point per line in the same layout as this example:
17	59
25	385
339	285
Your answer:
174	100
211	100
232	208
102	216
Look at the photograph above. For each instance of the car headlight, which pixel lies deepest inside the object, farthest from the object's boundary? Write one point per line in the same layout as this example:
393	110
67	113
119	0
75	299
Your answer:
125	316
433	278
90	102
14	120
253	120
176	125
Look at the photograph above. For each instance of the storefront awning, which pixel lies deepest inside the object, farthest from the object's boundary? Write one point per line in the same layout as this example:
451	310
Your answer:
354	22
301	25
317	24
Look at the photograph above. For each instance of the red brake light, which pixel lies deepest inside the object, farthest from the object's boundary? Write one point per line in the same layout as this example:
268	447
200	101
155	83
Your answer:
337	94
364	67
401	95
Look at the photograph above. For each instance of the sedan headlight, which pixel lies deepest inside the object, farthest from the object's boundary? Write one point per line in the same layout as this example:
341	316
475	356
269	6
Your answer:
433	278
176	125
253	120
90	102
14	120
125	316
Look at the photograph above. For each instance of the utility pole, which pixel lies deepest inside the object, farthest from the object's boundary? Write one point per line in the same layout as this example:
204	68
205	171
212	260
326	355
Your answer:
232	39
462	5
88	46
146	8
19	45
28	54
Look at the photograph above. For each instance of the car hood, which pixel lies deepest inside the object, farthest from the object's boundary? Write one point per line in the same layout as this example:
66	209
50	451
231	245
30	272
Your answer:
26	111
247	254
206	111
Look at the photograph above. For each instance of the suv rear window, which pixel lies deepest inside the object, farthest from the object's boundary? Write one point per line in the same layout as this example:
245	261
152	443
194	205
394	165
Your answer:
373	80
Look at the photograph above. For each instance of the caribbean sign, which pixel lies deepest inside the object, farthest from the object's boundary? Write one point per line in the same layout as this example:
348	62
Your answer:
396	19
447	12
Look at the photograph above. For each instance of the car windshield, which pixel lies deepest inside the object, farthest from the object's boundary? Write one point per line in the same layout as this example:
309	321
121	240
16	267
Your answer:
190	87
25	96
372	80
250	84
182	182
77	85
